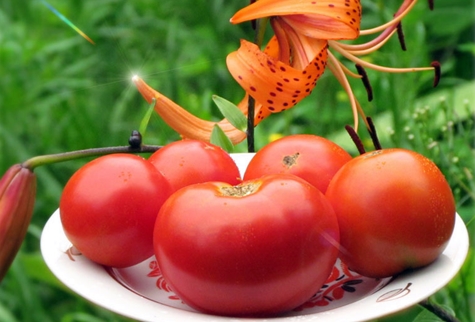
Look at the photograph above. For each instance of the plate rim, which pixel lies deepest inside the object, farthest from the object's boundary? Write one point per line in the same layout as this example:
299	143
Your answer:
54	245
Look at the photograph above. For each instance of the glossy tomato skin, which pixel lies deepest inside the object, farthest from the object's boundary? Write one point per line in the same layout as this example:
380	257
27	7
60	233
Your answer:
260	254
109	206
313	158
395	210
188	161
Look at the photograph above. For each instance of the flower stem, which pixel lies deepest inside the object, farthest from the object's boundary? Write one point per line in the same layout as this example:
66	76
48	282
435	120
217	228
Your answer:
258	40
440	312
66	156
250	124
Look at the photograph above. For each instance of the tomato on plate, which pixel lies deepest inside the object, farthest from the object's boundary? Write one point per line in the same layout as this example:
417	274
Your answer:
188	161
259	248
313	158
109	206
395	210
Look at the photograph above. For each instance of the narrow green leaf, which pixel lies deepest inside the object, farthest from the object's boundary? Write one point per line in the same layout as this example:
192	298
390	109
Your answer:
36	268
6	315
231	112
219	138
146	118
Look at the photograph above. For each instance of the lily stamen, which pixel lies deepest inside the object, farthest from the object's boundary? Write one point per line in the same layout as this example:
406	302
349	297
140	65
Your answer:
336	46
370	46
403	10
336	67
365	79
400	36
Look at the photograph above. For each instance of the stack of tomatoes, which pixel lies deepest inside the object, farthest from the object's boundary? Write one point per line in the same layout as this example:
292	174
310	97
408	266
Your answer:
265	244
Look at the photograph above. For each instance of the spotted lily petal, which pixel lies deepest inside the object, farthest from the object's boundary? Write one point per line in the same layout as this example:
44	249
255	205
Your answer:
188	125
321	19
271	82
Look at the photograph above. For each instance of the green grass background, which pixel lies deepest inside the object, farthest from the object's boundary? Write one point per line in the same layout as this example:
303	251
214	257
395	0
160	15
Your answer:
60	93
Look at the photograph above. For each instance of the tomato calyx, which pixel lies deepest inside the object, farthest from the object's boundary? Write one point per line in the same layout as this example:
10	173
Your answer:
372	154
240	190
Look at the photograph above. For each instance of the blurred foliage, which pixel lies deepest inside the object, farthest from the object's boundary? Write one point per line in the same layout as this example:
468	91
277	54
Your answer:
59	93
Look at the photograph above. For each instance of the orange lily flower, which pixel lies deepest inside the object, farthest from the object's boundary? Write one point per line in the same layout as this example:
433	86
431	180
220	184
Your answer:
265	75
302	31
300	26
306	33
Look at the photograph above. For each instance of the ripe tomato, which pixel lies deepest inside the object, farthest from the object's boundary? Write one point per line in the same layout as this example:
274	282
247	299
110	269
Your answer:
310	157
191	161
395	209
259	248
109	206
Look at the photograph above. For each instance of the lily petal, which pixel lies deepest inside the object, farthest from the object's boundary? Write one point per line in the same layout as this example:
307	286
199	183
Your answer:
190	126
301	48
322	19
272	83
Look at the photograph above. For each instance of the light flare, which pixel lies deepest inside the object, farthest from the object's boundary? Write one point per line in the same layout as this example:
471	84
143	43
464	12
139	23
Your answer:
67	21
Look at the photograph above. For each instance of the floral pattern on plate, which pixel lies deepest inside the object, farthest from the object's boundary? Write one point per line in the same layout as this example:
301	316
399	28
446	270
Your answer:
343	286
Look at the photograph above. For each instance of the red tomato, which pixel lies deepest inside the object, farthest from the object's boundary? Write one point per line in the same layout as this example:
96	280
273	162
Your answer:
109	206
310	157
191	161
259	248
395	209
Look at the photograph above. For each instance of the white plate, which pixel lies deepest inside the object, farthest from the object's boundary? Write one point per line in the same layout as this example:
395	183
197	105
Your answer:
139	292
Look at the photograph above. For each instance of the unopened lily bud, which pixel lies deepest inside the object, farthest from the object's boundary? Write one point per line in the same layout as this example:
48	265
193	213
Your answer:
17	198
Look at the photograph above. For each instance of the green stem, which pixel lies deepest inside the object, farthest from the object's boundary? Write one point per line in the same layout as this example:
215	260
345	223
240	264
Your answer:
438	311
258	40
66	156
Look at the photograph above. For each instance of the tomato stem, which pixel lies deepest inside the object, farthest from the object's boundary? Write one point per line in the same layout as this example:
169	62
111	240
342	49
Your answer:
356	139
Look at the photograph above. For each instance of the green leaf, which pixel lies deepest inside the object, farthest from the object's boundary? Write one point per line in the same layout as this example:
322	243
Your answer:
6	315
36	268
146	118
231	112
219	138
